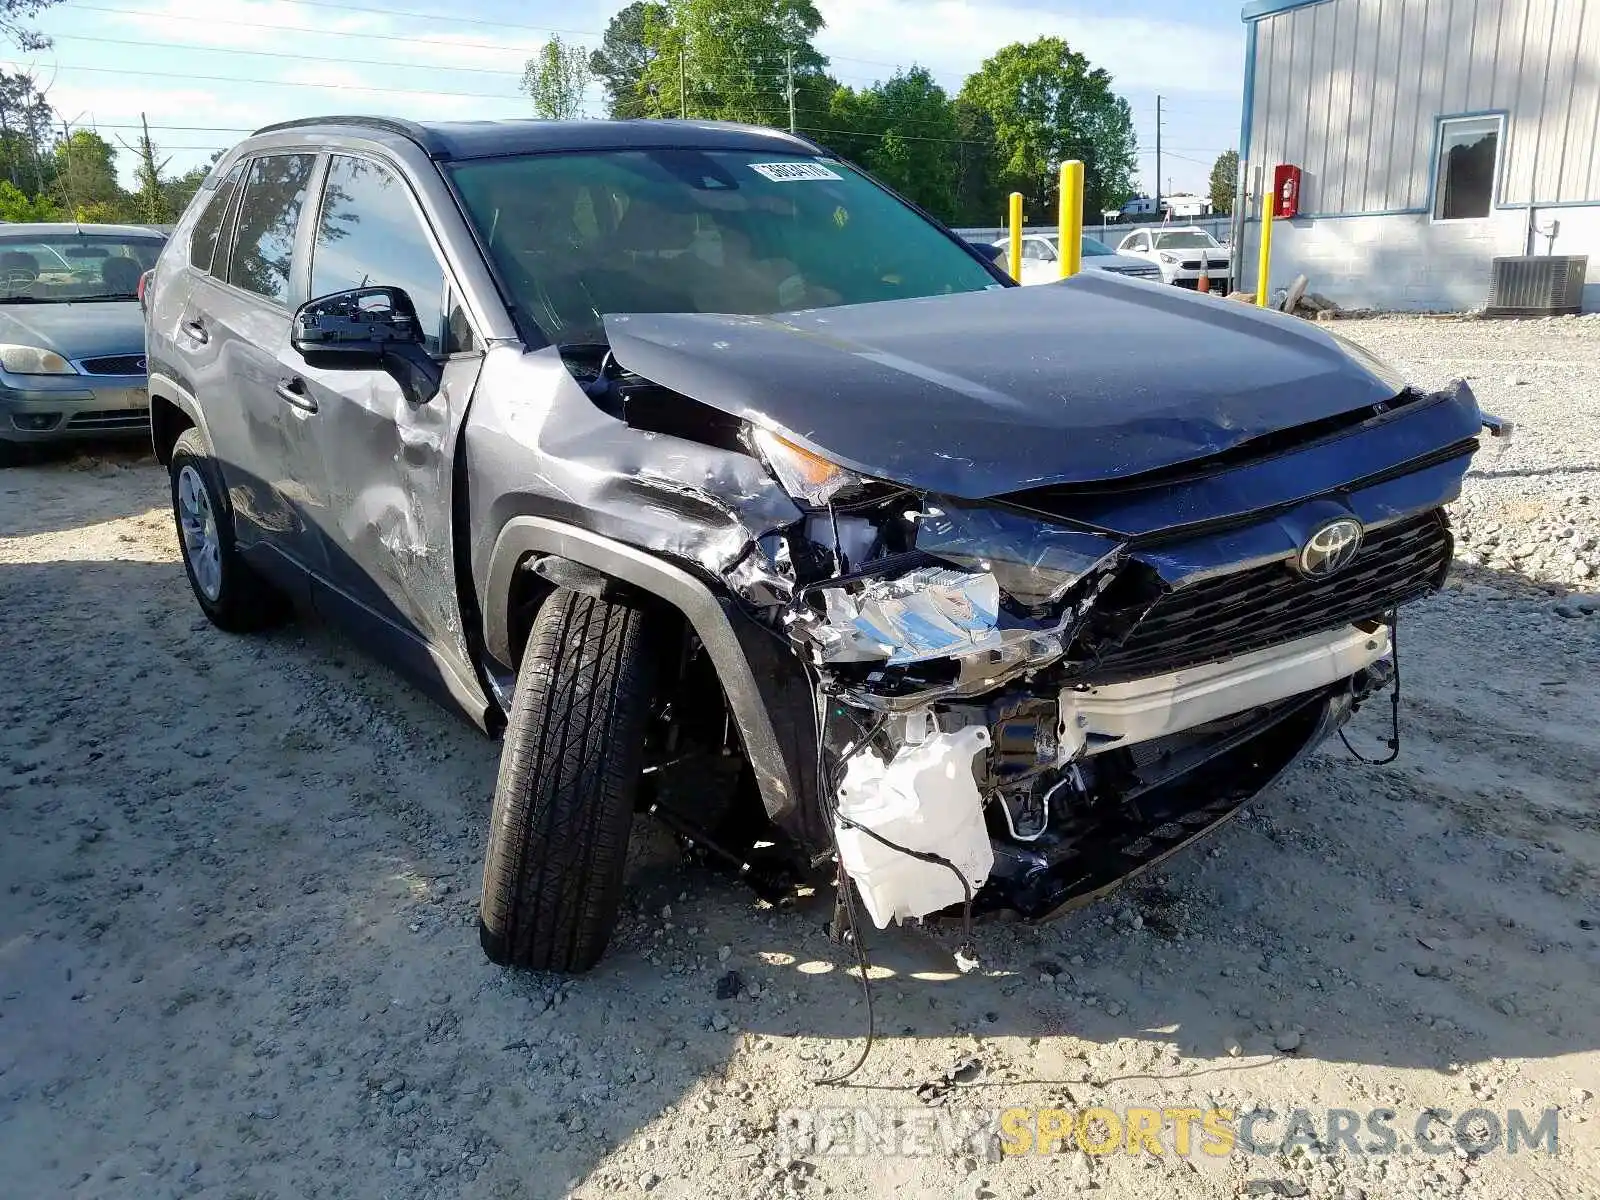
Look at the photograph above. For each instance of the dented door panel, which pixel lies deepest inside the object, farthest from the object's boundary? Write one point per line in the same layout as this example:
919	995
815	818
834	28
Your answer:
390	485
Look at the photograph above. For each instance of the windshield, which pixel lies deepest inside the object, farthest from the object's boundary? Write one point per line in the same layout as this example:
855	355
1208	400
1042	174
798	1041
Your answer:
63	267
1093	249
1189	239
579	235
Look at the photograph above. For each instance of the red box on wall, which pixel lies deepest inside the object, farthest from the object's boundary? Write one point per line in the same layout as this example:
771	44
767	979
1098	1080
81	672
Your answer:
1286	191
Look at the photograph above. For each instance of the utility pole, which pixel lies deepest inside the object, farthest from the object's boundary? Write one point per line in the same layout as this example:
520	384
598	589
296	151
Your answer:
790	60
1158	157
683	84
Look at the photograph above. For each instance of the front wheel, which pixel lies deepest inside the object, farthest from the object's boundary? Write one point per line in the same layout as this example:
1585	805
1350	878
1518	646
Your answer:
231	595
563	805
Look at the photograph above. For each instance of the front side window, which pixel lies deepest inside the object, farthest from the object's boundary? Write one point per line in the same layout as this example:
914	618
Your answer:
269	213
74	267
1139	241
576	236
1469	153
369	235
207	229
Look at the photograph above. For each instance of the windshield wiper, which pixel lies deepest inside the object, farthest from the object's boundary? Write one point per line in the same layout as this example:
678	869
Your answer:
103	296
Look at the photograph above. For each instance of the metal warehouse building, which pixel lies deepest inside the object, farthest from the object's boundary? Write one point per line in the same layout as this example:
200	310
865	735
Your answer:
1432	136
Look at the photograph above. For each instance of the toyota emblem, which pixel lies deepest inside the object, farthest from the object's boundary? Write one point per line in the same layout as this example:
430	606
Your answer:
1330	548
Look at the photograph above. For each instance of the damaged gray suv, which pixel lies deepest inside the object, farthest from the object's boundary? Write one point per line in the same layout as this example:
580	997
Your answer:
726	485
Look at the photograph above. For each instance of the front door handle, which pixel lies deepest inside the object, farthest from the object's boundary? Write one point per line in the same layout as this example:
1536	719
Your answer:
197	331
294	391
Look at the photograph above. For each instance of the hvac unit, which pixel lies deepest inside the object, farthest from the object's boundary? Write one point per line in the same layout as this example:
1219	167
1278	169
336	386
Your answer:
1537	286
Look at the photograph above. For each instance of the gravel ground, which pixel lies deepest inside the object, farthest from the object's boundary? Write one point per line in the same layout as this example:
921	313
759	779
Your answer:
237	953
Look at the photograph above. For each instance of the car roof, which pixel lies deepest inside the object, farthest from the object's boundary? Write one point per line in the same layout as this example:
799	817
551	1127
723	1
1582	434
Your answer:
62	228
454	140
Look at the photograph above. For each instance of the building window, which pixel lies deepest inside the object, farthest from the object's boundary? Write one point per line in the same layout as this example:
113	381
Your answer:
1469	153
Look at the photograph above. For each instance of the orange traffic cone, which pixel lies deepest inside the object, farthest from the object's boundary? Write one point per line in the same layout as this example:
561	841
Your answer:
1203	284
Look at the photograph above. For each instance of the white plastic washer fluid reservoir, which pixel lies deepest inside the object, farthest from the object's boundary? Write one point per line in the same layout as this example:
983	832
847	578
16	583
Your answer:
925	799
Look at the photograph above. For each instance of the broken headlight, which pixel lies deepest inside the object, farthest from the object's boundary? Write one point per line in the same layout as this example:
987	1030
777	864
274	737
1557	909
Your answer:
805	476
1035	563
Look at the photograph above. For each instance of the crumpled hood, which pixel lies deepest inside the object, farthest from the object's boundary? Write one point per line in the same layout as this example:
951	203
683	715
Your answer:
984	393
88	329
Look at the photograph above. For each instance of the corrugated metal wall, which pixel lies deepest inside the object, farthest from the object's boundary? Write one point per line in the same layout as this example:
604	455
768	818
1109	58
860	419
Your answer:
1350	90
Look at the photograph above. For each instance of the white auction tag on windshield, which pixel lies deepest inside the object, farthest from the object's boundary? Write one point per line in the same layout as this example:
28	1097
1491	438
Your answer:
794	172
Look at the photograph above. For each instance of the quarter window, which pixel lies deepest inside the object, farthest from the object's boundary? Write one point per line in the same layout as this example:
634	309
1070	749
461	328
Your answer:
369	235
274	192
1469	152
203	242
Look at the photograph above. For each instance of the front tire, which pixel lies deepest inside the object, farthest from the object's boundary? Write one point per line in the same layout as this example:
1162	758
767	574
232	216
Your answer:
563	805
232	596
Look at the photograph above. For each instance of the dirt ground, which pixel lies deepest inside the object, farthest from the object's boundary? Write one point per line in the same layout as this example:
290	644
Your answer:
238	955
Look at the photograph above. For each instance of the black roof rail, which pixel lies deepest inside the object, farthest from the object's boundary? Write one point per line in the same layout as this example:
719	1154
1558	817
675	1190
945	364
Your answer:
409	130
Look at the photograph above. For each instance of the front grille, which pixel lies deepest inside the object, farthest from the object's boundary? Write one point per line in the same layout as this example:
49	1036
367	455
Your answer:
1136	272
114	364
1221	617
117	418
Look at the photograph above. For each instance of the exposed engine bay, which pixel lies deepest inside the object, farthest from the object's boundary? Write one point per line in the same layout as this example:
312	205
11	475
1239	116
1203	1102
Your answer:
1008	659
959	647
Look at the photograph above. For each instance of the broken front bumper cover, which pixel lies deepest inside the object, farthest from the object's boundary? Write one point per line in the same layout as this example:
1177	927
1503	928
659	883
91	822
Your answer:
1120	776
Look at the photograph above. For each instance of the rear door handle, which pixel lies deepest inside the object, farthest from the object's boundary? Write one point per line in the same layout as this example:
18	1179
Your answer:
294	391
197	331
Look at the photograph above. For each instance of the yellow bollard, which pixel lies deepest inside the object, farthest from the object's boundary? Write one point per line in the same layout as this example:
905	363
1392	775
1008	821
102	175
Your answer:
1264	263
1071	218
1016	236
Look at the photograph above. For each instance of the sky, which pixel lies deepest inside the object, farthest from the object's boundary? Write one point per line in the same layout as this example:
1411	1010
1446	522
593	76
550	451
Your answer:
207	72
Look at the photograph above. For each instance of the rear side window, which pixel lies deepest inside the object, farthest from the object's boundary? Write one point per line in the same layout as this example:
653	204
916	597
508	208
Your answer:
369	235
274	193
203	242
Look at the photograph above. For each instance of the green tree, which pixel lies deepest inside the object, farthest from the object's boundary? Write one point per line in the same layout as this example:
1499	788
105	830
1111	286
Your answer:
979	195
14	18
1048	105
625	56
15	206
916	150
555	79
25	134
736	57
86	177
150	201
178	191
1224	181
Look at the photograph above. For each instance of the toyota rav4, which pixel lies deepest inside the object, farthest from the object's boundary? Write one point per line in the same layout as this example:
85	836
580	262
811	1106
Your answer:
727	485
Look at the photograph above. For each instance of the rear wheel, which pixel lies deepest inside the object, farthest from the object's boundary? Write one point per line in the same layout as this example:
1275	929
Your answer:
231	595
563	806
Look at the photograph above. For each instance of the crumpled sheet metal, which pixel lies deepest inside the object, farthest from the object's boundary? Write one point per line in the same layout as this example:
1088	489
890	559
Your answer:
537	445
931	612
1035	562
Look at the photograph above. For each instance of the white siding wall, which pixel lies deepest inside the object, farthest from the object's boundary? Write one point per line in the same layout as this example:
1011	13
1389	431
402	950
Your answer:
1352	90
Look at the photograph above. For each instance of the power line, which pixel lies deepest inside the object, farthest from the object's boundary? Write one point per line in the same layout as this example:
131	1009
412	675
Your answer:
338	87
349	9
361	62
379	37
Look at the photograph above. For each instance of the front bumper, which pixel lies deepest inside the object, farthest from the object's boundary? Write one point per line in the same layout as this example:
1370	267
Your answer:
1096	720
1221	277
48	408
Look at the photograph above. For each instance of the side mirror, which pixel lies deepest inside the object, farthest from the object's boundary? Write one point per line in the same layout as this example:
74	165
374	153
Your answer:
368	329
